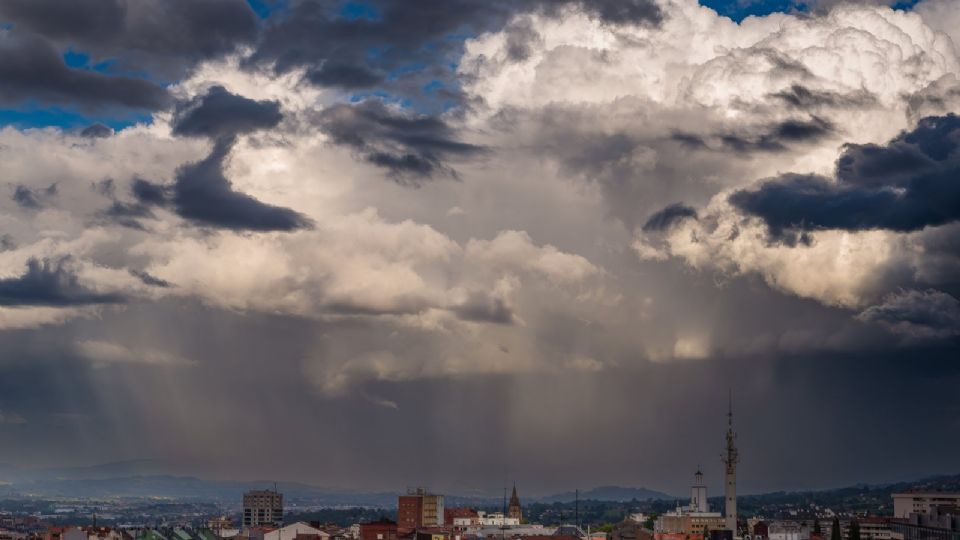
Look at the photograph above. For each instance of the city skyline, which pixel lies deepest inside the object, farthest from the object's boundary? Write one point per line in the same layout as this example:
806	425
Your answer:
465	243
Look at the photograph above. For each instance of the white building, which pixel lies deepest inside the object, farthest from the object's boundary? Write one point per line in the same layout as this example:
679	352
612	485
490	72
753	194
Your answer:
787	530
905	504
698	494
496	519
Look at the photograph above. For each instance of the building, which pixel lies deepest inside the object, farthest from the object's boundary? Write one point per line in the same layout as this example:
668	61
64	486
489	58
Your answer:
219	523
872	528
787	530
496	519
383	529
461	518
515	511
921	503
262	508
630	529
419	508
730	461
296	531
939	522
698	494
690	522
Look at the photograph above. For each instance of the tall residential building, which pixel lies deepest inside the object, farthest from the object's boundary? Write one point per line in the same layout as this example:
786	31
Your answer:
262	507
418	508
730	461
515	511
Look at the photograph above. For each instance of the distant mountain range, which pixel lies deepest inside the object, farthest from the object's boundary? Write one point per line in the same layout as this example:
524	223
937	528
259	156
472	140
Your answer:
609	493
143	479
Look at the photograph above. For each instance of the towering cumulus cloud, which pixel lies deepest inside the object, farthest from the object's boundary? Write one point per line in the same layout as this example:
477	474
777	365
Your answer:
550	221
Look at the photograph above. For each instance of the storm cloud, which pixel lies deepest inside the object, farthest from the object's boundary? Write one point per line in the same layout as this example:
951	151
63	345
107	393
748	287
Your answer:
31	69
165	36
204	195
406	145
906	185
51	283
674	213
623	210
411	40
220	114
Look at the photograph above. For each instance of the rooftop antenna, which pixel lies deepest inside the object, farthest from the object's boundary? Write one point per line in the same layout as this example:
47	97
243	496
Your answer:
730	409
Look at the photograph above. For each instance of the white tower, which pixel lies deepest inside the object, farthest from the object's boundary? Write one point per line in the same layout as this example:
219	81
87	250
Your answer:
731	477
698	494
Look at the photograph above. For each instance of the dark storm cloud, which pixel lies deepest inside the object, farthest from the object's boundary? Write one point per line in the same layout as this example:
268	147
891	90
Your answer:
96	131
32	70
479	307
403	45
777	137
919	314
204	195
50	283
405	144
219	113
149	193
201	192
127	214
670	215
148	279
33	199
906	185
166	35
346	76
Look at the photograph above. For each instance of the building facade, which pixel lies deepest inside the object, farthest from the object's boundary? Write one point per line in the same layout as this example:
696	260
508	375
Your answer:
384	529
262	508
691	522
939	522
419	508
905	504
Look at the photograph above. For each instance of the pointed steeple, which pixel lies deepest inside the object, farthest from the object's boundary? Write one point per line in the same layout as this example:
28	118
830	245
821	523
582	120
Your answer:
515	510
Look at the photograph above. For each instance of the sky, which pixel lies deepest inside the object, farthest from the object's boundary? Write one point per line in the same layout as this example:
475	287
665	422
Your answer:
462	243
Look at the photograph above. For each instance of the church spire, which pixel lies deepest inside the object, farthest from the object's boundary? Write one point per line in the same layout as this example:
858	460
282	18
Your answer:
515	510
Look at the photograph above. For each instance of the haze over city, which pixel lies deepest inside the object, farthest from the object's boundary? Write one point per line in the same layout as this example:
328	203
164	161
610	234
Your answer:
369	245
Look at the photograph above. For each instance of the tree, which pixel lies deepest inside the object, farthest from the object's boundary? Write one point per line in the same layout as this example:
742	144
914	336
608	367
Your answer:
816	527
854	532
706	532
835	529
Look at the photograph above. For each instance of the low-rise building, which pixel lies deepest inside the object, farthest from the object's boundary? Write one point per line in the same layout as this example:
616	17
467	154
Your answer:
787	530
383	529
496	519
